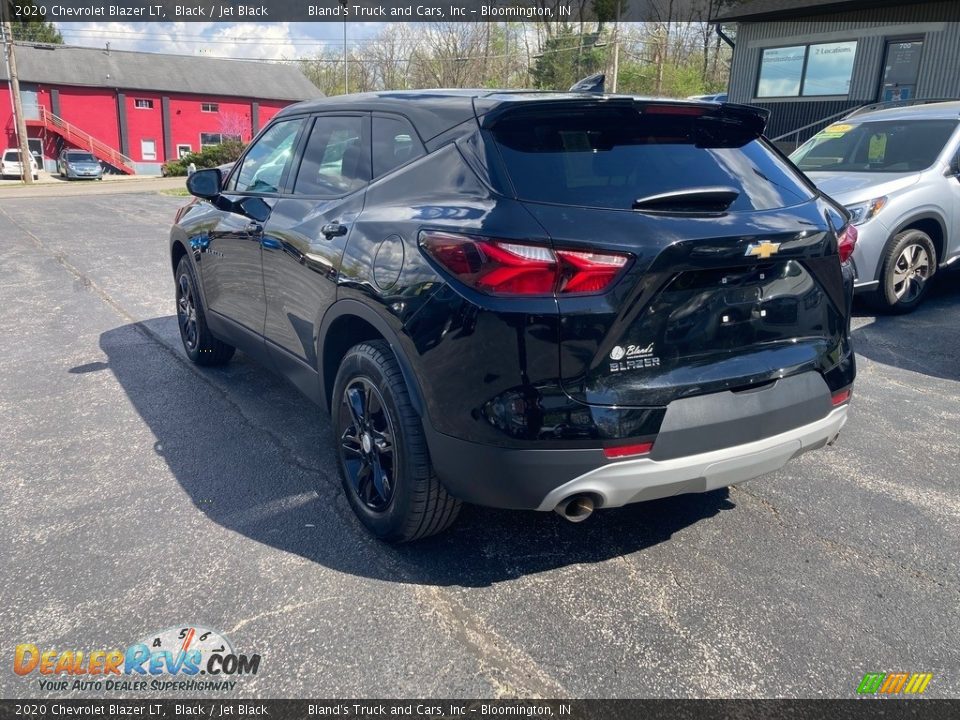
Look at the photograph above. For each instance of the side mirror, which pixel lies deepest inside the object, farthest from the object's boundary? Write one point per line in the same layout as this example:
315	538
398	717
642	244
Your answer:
955	166
206	184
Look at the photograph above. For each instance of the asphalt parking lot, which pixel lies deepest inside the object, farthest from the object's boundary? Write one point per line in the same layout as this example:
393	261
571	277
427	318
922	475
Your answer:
141	493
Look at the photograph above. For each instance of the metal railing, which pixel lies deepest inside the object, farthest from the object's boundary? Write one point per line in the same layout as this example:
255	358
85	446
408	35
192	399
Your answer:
850	112
822	121
85	140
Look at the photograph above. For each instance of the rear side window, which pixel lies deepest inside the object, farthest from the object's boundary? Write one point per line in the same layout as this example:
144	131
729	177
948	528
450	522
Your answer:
335	160
611	157
394	143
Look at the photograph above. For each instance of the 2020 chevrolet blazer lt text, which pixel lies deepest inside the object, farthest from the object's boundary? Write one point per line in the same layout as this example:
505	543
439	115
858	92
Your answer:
526	300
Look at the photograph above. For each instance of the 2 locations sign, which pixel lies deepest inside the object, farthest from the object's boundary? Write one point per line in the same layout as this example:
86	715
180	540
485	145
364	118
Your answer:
328	10
175	659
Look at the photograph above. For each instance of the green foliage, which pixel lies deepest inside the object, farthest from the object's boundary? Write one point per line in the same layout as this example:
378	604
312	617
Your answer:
566	58
33	29
678	81
607	10
207	158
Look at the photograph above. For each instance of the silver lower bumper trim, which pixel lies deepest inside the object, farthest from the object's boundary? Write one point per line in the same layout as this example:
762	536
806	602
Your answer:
642	479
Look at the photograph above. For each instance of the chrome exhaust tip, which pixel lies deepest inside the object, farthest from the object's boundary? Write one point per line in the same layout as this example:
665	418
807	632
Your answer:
575	508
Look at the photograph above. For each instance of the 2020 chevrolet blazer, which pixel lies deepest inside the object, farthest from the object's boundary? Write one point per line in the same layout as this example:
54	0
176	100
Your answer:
526	300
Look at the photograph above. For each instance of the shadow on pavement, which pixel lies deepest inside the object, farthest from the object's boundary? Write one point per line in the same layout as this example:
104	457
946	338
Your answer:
230	463
925	341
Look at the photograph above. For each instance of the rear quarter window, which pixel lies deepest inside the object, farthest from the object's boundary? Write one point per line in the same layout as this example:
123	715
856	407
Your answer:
609	158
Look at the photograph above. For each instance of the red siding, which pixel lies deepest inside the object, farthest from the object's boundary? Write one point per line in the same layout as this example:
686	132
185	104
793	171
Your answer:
144	124
187	120
6	117
94	111
8	135
269	108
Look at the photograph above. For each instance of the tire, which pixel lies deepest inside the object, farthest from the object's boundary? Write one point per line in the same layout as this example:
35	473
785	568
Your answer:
375	426
909	262
198	342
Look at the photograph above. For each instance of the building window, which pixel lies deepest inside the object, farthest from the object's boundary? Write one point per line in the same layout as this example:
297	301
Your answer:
143	104
209	107
183	150
148	149
210	139
807	70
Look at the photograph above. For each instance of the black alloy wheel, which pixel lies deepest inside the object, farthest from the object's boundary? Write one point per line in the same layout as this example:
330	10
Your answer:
384	462
187	313
200	344
366	445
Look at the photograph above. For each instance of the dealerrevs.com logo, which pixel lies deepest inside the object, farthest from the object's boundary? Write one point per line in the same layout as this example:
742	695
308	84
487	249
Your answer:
183	658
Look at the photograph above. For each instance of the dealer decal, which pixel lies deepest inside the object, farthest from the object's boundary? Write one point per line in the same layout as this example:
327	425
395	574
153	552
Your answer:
632	357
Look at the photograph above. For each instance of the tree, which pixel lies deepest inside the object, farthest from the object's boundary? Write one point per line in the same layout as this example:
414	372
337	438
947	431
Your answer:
235	125
567	57
32	30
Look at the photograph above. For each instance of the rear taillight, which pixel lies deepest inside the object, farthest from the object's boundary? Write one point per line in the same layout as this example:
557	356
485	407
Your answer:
846	242
504	267
622	451
841	397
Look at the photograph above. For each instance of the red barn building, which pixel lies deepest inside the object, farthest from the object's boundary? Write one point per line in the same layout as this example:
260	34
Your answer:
137	110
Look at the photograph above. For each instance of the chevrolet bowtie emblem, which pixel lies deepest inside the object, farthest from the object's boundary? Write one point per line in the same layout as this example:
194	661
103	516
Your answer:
762	250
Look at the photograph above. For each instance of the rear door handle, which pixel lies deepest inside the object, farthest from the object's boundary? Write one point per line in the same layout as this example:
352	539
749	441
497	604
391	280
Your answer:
334	229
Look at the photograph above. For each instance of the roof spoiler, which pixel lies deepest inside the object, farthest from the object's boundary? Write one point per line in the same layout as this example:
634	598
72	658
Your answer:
591	84
719	125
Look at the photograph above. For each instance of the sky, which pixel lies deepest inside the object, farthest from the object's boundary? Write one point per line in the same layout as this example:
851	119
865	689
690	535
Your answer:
262	41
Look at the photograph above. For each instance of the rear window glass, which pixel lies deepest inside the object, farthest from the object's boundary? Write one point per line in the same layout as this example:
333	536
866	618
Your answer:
12	155
883	146
611	157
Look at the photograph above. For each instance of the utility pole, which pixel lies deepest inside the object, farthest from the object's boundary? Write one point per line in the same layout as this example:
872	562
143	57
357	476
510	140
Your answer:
616	49
26	164
346	76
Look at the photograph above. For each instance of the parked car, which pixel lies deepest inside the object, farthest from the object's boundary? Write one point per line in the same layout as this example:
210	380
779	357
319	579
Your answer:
77	164
897	172
10	166
543	302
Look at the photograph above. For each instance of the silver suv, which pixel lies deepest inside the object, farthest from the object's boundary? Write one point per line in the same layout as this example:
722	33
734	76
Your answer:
898	173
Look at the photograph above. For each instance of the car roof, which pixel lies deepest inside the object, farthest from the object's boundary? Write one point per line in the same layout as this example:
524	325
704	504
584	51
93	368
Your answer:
930	111
437	110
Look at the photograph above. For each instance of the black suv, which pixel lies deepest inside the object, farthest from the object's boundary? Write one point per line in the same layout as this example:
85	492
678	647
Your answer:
527	300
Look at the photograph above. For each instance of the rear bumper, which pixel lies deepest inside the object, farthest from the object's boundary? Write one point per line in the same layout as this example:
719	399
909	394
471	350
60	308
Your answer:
540	479
633	481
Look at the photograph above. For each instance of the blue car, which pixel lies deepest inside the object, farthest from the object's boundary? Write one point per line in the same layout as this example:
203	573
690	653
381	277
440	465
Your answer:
76	164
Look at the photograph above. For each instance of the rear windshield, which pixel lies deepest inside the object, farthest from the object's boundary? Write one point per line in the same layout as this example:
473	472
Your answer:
883	146
80	157
611	157
12	156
